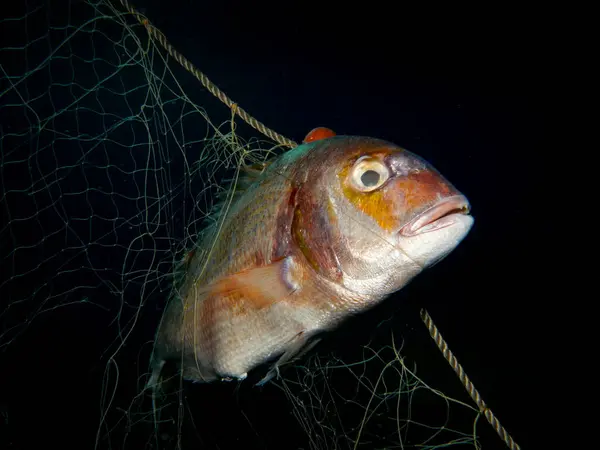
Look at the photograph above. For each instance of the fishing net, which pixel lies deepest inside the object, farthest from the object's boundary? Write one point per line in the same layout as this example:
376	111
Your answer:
109	168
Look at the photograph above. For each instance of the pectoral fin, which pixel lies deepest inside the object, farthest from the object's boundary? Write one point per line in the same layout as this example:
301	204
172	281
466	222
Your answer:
297	348
259	287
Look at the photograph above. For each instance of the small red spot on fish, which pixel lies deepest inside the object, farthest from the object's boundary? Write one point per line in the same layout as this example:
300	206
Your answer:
316	134
188	257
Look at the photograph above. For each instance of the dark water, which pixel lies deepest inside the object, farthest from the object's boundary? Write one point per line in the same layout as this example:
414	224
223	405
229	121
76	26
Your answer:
467	94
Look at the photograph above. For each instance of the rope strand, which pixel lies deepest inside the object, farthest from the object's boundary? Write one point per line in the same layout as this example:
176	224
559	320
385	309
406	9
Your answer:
209	85
464	379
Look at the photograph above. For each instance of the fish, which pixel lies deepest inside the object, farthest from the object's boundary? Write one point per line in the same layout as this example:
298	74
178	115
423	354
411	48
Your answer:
317	234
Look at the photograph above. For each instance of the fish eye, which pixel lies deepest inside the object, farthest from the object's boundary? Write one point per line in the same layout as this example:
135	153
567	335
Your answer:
370	178
369	174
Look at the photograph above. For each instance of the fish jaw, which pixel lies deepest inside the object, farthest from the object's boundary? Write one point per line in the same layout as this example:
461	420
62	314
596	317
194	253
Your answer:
441	215
433	234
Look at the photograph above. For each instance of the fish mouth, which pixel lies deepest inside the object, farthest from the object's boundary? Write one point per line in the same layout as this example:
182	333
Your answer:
440	216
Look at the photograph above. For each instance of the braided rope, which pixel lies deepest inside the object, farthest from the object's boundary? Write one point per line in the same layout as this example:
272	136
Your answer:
209	85
464	379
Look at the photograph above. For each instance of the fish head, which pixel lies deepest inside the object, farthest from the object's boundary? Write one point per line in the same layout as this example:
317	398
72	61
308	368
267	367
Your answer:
389	214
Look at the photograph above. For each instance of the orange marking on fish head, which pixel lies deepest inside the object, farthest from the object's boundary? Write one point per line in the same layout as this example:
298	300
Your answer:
378	203
392	186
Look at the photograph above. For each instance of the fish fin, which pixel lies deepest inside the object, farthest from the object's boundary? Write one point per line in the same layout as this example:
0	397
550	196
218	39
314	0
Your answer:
246	178
153	384
299	346
155	378
316	134
260	286
255	170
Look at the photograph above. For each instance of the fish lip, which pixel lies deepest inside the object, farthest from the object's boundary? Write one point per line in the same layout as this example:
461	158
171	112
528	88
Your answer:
438	216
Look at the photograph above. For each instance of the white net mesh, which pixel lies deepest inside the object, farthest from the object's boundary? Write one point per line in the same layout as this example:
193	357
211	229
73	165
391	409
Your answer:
108	169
